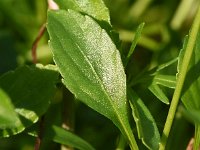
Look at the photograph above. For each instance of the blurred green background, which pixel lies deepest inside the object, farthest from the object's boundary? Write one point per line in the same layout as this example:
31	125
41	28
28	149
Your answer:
166	24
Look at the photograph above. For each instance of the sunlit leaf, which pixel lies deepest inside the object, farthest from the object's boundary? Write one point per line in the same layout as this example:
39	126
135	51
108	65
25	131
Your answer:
90	65
30	90
94	8
146	126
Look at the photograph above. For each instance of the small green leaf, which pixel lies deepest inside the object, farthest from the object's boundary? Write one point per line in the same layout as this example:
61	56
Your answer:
135	41
8	116
90	65
156	90
30	90
94	8
167	64
62	136
165	80
146	126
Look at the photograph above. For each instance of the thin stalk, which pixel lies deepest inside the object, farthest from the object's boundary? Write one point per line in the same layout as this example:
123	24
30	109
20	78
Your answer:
38	139
196	145
35	43
180	79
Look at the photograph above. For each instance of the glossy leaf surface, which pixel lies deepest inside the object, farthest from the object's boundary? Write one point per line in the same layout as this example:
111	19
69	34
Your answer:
94	8
145	123
30	90
90	65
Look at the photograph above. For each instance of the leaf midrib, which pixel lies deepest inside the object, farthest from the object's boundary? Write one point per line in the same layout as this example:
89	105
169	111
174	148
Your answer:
95	73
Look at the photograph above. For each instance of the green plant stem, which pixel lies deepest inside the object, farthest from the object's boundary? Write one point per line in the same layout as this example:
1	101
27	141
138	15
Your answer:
180	79
197	137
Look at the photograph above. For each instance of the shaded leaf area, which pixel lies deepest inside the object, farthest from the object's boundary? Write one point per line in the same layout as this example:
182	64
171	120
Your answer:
30	90
8	116
145	123
90	65
62	136
192	115
154	79
53	121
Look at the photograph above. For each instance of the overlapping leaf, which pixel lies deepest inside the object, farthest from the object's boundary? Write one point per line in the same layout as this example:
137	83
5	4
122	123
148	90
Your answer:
62	136
153	79
146	126
90	65
94	8
8	116
192	115
30	90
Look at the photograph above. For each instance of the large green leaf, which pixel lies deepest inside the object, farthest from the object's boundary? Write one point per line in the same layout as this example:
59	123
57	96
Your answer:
90	65
146	126
8	116
94	8
30	90
62	136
